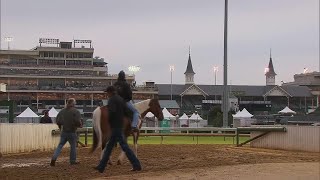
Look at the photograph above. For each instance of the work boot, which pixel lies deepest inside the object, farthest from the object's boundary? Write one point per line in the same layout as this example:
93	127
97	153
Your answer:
97	169
53	162
74	163
136	169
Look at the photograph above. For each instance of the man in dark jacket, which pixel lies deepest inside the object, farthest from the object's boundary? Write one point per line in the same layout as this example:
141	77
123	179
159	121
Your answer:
46	118
124	90
68	120
116	108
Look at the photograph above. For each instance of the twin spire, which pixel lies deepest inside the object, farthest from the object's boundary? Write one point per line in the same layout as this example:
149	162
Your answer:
189	69
189	74
270	71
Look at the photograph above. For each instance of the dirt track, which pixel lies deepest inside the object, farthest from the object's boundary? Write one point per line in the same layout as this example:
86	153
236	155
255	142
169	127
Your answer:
157	160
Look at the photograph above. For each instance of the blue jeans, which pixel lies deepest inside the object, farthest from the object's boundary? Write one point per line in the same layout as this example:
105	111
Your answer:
117	136
136	114
64	138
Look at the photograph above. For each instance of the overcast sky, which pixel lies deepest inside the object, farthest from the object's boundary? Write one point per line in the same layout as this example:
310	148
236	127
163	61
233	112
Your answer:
156	33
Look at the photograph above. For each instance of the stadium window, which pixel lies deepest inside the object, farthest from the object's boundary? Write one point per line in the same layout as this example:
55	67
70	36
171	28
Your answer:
50	54
62	55
68	55
46	54
56	54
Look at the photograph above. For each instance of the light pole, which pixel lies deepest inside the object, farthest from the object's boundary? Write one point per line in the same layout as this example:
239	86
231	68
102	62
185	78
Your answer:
225	68
171	71
8	39
133	70
215	70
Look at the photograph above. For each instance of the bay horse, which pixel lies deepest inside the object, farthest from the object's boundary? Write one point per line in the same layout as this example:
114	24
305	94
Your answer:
102	129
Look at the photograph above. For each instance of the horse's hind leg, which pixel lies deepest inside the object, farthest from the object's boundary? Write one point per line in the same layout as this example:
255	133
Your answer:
104	143
122	155
121	158
135	142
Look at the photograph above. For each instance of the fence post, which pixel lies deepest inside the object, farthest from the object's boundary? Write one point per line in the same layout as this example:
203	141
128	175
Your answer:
86	137
237	137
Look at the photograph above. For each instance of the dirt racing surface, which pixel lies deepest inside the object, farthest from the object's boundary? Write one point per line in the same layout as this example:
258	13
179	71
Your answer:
157	160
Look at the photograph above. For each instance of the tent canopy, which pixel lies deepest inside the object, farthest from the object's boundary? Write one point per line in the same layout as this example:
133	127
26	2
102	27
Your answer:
149	115
287	110
167	114
27	113
244	114
199	117
184	117
195	117
53	112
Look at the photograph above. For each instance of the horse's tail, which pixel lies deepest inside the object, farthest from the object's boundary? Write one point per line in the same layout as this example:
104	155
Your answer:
97	134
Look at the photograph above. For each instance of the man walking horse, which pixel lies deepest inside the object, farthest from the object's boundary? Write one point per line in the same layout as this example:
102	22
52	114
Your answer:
101	117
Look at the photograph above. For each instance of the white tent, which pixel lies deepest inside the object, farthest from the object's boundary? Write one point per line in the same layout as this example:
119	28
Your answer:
287	110
199	117
167	114
183	120
150	120
184	116
193	117
235	115
53	112
243	114
196	121
243	118
27	116
149	115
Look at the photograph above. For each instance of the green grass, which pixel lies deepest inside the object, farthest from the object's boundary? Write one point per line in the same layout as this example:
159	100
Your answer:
180	140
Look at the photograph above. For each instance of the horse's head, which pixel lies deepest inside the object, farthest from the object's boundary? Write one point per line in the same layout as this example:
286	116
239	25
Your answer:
155	108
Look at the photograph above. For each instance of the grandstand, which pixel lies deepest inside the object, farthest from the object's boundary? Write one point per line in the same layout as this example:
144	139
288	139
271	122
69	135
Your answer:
54	71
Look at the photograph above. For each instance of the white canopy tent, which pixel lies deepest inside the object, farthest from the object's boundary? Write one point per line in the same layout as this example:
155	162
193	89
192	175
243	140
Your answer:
184	120
196	121
243	114
167	114
287	110
242	118
27	116
235	115
150	120
149	115
193	117
53	112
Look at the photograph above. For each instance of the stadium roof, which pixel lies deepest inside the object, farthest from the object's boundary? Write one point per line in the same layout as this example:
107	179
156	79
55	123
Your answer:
238	90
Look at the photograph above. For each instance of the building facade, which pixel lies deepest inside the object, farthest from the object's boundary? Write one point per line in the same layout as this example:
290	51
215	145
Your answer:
47	75
270	98
310	80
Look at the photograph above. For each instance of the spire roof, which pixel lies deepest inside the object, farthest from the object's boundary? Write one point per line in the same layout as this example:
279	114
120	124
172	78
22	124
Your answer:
270	71
189	69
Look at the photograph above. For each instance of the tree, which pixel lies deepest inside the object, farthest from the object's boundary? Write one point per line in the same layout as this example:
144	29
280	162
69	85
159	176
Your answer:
215	117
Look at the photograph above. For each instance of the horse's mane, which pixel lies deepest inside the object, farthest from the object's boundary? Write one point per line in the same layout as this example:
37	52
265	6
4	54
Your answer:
142	105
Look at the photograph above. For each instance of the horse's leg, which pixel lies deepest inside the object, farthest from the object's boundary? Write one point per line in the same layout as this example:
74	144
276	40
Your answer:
122	154
103	149
135	142
136	137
